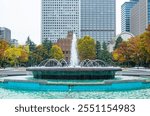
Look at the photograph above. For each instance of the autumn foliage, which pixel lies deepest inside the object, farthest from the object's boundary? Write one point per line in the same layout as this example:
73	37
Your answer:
136	50
12	55
86	48
16	55
56	52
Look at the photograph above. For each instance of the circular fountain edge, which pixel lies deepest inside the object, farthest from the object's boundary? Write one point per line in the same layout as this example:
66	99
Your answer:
74	73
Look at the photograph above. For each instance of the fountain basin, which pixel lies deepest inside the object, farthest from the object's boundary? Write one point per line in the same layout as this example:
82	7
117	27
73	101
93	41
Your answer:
74	73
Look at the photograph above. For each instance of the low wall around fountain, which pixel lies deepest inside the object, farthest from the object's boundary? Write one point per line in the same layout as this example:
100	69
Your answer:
110	85
74	73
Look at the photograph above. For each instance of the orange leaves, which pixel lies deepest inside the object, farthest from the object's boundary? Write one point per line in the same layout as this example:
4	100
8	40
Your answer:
3	46
128	51
136	49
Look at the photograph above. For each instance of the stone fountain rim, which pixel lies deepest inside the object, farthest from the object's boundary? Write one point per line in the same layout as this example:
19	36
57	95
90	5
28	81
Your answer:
74	69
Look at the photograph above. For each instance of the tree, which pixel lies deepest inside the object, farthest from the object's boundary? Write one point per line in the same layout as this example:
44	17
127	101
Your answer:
47	44
24	57
38	55
118	41
104	46
56	52
145	44
16	55
3	47
121	54
86	48
31	44
105	55
134	51
98	50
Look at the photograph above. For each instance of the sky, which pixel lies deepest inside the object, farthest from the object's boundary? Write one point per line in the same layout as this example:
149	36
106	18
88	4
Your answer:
23	18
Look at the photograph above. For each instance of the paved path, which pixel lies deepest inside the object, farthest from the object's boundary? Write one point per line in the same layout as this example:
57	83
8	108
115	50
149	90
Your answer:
134	72
13	72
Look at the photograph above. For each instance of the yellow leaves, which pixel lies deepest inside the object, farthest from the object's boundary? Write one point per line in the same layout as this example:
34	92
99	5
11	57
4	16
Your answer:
86	48
56	52
118	55
15	55
12	52
24	56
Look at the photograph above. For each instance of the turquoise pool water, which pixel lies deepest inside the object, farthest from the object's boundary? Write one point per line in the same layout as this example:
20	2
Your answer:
12	89
18	94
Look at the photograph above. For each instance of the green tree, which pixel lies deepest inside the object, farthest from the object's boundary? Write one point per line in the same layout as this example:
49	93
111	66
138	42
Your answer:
47	44
38	55
86	48
105	55
118	41
98	50
104	46
56	52
31	44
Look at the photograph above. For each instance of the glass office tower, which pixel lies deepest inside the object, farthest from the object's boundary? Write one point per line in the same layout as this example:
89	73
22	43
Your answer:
148	14
126	15
98	19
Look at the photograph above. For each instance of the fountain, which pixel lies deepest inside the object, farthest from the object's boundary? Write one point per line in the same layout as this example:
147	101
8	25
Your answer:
87	70
58	79
74	54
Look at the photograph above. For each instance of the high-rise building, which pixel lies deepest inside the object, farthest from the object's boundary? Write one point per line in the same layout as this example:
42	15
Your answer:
126	15
5	34
140	17
98	19
14	42
59	17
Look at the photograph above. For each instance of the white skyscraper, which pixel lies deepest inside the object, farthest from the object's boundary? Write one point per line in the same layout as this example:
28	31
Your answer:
59	17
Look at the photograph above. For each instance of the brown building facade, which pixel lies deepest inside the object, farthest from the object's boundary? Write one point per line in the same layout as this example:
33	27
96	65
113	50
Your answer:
65	45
